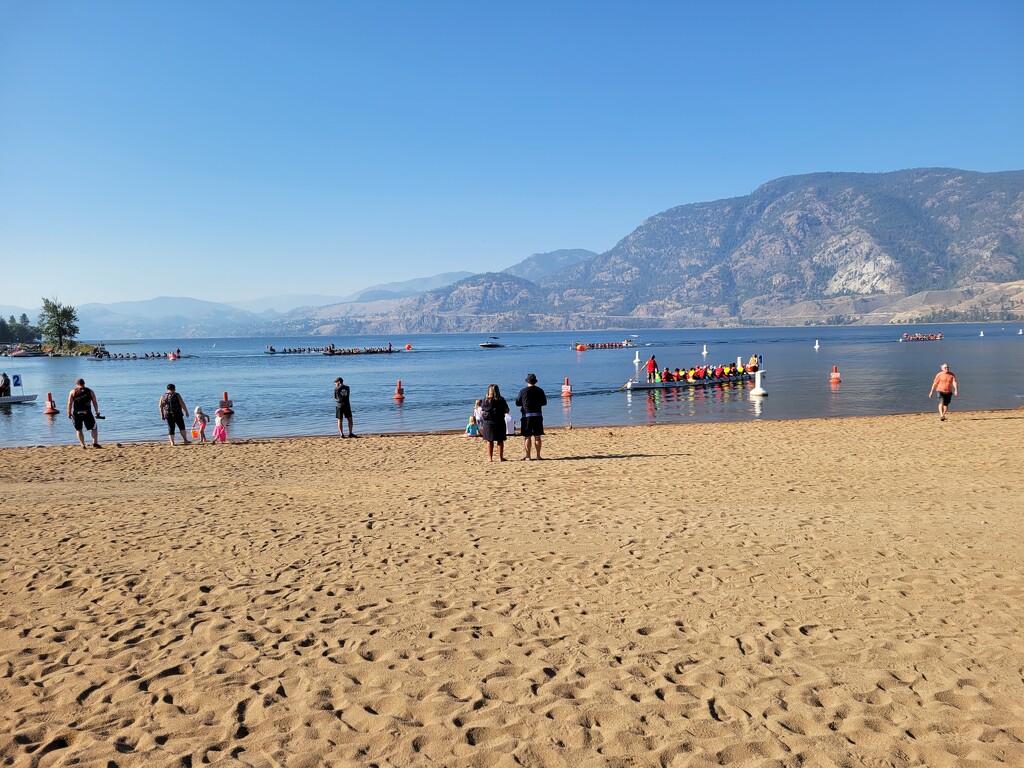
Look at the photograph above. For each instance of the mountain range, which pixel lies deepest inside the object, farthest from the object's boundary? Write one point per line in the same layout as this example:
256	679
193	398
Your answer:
923	244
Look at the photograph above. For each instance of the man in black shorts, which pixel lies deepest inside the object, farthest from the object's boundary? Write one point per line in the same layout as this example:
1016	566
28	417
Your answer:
173	410
531	399
81	405
342	406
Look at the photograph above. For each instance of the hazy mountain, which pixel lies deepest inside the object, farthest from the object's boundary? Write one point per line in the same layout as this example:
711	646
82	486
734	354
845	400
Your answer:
825	247
278	305
931	243
271	306
164	317
6	310
409	287
540	265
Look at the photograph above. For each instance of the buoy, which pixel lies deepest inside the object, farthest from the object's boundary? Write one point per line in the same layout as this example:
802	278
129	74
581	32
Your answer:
408	347
705	351
580	348
225	404
51	407
567	388
834	377
399	392
816	345
758	390
982	333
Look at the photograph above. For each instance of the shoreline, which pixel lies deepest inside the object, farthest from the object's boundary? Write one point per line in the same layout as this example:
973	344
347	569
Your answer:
161	437
819	592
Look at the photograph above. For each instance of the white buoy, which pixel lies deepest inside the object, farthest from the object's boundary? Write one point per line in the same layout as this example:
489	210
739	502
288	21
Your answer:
758	390
705	350
816	345
1020	331
636	362
982	334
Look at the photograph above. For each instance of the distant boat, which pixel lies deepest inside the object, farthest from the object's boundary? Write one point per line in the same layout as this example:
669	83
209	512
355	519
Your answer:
490	344
9	400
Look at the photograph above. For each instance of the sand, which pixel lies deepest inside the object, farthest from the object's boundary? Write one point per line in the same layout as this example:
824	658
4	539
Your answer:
802	593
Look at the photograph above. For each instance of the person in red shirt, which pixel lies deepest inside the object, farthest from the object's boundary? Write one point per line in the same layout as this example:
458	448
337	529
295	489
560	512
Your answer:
652	366
944	386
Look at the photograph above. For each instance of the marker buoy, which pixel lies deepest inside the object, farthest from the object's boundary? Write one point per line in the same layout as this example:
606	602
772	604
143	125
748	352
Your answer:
225	404
580	348
834	377
51	407
758	390
705	350
567	388
399	392
408	347
816	345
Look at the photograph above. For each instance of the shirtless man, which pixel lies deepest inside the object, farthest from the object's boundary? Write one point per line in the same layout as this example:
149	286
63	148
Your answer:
944	386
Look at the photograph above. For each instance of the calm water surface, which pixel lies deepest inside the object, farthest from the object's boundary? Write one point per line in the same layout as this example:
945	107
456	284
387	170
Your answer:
280	395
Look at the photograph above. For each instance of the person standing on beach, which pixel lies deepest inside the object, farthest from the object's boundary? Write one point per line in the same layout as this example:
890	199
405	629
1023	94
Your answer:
172	410
82	404
531	399
494	409
342	406
944	386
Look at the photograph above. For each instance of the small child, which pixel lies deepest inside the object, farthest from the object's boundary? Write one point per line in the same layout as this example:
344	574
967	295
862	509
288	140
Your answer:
220	429
472	430
200	423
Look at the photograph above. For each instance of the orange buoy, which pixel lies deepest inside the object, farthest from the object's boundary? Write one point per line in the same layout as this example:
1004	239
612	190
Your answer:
580	348
834	377
399	392
567	388
408	347
225	404
51	407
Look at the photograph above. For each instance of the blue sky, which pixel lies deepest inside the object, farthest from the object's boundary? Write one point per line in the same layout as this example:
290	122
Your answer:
233	150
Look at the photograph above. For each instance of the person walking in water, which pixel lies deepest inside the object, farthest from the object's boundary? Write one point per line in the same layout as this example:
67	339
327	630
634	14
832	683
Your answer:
944	386
82	404
173	410
343	406
531	399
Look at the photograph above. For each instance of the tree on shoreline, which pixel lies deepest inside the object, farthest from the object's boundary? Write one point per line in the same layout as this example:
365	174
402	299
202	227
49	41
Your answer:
58	322
18	330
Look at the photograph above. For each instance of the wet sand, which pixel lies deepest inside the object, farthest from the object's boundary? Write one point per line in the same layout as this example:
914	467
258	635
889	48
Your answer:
841	592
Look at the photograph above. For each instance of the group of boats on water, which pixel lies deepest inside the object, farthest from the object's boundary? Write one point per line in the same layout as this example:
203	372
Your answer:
582	347
330	350
102	353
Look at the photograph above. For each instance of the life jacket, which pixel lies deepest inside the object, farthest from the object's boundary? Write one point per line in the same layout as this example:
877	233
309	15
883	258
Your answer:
81	397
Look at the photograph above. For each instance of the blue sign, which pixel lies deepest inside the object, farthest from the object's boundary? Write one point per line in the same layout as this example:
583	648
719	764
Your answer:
16	381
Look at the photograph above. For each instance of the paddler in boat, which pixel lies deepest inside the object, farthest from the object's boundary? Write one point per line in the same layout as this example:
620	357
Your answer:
652	370
752	364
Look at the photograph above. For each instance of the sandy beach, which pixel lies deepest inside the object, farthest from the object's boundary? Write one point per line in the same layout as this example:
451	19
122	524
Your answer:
844	592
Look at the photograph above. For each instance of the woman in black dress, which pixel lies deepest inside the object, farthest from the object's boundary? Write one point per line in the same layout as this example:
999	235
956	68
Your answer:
493	428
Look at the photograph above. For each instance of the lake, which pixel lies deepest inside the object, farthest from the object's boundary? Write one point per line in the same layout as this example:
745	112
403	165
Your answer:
292	394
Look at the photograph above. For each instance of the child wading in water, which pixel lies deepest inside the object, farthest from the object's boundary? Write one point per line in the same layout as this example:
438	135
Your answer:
200	423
